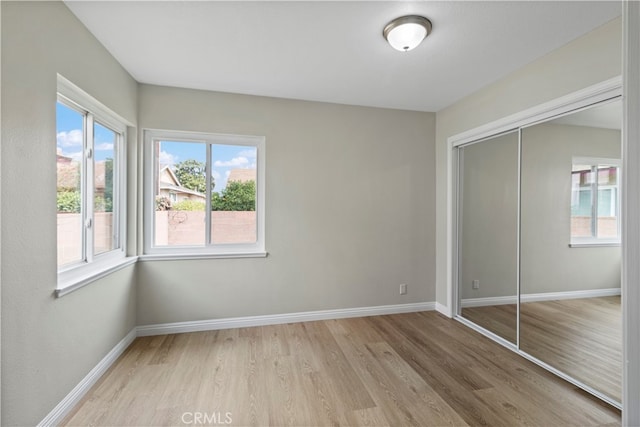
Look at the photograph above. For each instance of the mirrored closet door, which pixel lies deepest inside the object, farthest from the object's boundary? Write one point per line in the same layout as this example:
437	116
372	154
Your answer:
488	233
539	255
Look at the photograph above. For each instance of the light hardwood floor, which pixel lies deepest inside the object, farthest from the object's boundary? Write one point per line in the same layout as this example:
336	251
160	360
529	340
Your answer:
417	369
501	319
581	337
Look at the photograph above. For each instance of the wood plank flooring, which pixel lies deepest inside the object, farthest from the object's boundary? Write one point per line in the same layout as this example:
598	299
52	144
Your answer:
501	319
581	337
418	369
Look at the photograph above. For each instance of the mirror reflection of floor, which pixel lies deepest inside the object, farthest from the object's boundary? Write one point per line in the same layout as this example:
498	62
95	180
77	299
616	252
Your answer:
499	319
581	337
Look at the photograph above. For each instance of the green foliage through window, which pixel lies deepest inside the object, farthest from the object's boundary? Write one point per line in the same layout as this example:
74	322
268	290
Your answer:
188	205
102	204
108	188
237	196
163	203
68	201
192	175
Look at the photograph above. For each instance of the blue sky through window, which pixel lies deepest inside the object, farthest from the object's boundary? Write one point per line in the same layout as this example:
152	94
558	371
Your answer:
225	158
69	135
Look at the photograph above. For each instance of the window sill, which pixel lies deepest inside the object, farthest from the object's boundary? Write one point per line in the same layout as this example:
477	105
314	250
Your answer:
179	257
79	281
594	244
72	284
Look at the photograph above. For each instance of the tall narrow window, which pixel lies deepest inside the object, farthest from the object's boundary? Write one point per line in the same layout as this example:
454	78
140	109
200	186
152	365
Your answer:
595	201
105	192
90	186
206	194
69	162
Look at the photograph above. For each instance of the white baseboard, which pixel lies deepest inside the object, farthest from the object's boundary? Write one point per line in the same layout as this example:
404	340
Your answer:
486	301
275	319
63	408
547	296
610	292
444	310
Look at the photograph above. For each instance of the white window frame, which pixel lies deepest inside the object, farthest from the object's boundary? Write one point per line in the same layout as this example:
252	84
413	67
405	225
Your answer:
592	241
93	267
239	250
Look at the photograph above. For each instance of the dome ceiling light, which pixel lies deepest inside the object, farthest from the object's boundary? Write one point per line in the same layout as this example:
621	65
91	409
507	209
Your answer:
407	32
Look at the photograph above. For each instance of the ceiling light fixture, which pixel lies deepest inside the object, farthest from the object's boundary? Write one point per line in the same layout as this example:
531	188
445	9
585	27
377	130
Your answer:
407	32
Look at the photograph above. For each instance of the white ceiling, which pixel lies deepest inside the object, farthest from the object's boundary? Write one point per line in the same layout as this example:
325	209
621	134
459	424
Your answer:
333	51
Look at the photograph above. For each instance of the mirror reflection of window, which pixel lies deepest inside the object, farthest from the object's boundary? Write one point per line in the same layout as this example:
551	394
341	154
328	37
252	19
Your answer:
595	202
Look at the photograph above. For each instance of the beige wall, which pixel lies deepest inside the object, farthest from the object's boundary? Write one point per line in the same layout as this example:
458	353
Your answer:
349	209
590	59
49	344
548	264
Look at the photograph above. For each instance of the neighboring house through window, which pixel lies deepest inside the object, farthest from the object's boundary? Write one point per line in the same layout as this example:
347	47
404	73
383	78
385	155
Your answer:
169	186
204	195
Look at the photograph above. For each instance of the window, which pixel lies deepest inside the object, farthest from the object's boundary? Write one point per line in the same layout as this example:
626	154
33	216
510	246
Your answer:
90	186
595	201
204	195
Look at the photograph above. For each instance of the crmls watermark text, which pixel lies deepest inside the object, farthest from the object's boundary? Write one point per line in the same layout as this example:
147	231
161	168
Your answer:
207	418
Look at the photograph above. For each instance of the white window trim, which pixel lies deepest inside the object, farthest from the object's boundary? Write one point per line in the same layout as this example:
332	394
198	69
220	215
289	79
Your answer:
593	242
75	276
251	250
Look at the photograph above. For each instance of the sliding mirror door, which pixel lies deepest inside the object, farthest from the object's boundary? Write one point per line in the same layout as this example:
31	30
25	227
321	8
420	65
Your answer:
570	264
488	234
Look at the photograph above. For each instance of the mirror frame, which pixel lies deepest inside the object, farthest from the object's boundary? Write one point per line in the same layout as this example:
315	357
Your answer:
631	219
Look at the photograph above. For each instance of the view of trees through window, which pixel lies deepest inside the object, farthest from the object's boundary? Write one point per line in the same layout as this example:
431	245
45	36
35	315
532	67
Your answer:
182	195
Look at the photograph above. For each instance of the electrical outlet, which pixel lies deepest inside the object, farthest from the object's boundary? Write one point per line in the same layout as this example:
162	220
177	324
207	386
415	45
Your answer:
475	284
403	289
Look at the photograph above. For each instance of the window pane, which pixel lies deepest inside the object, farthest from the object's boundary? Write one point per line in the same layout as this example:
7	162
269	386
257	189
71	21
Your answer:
103	189
69	149
180	194
581	212
233	198
607	201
